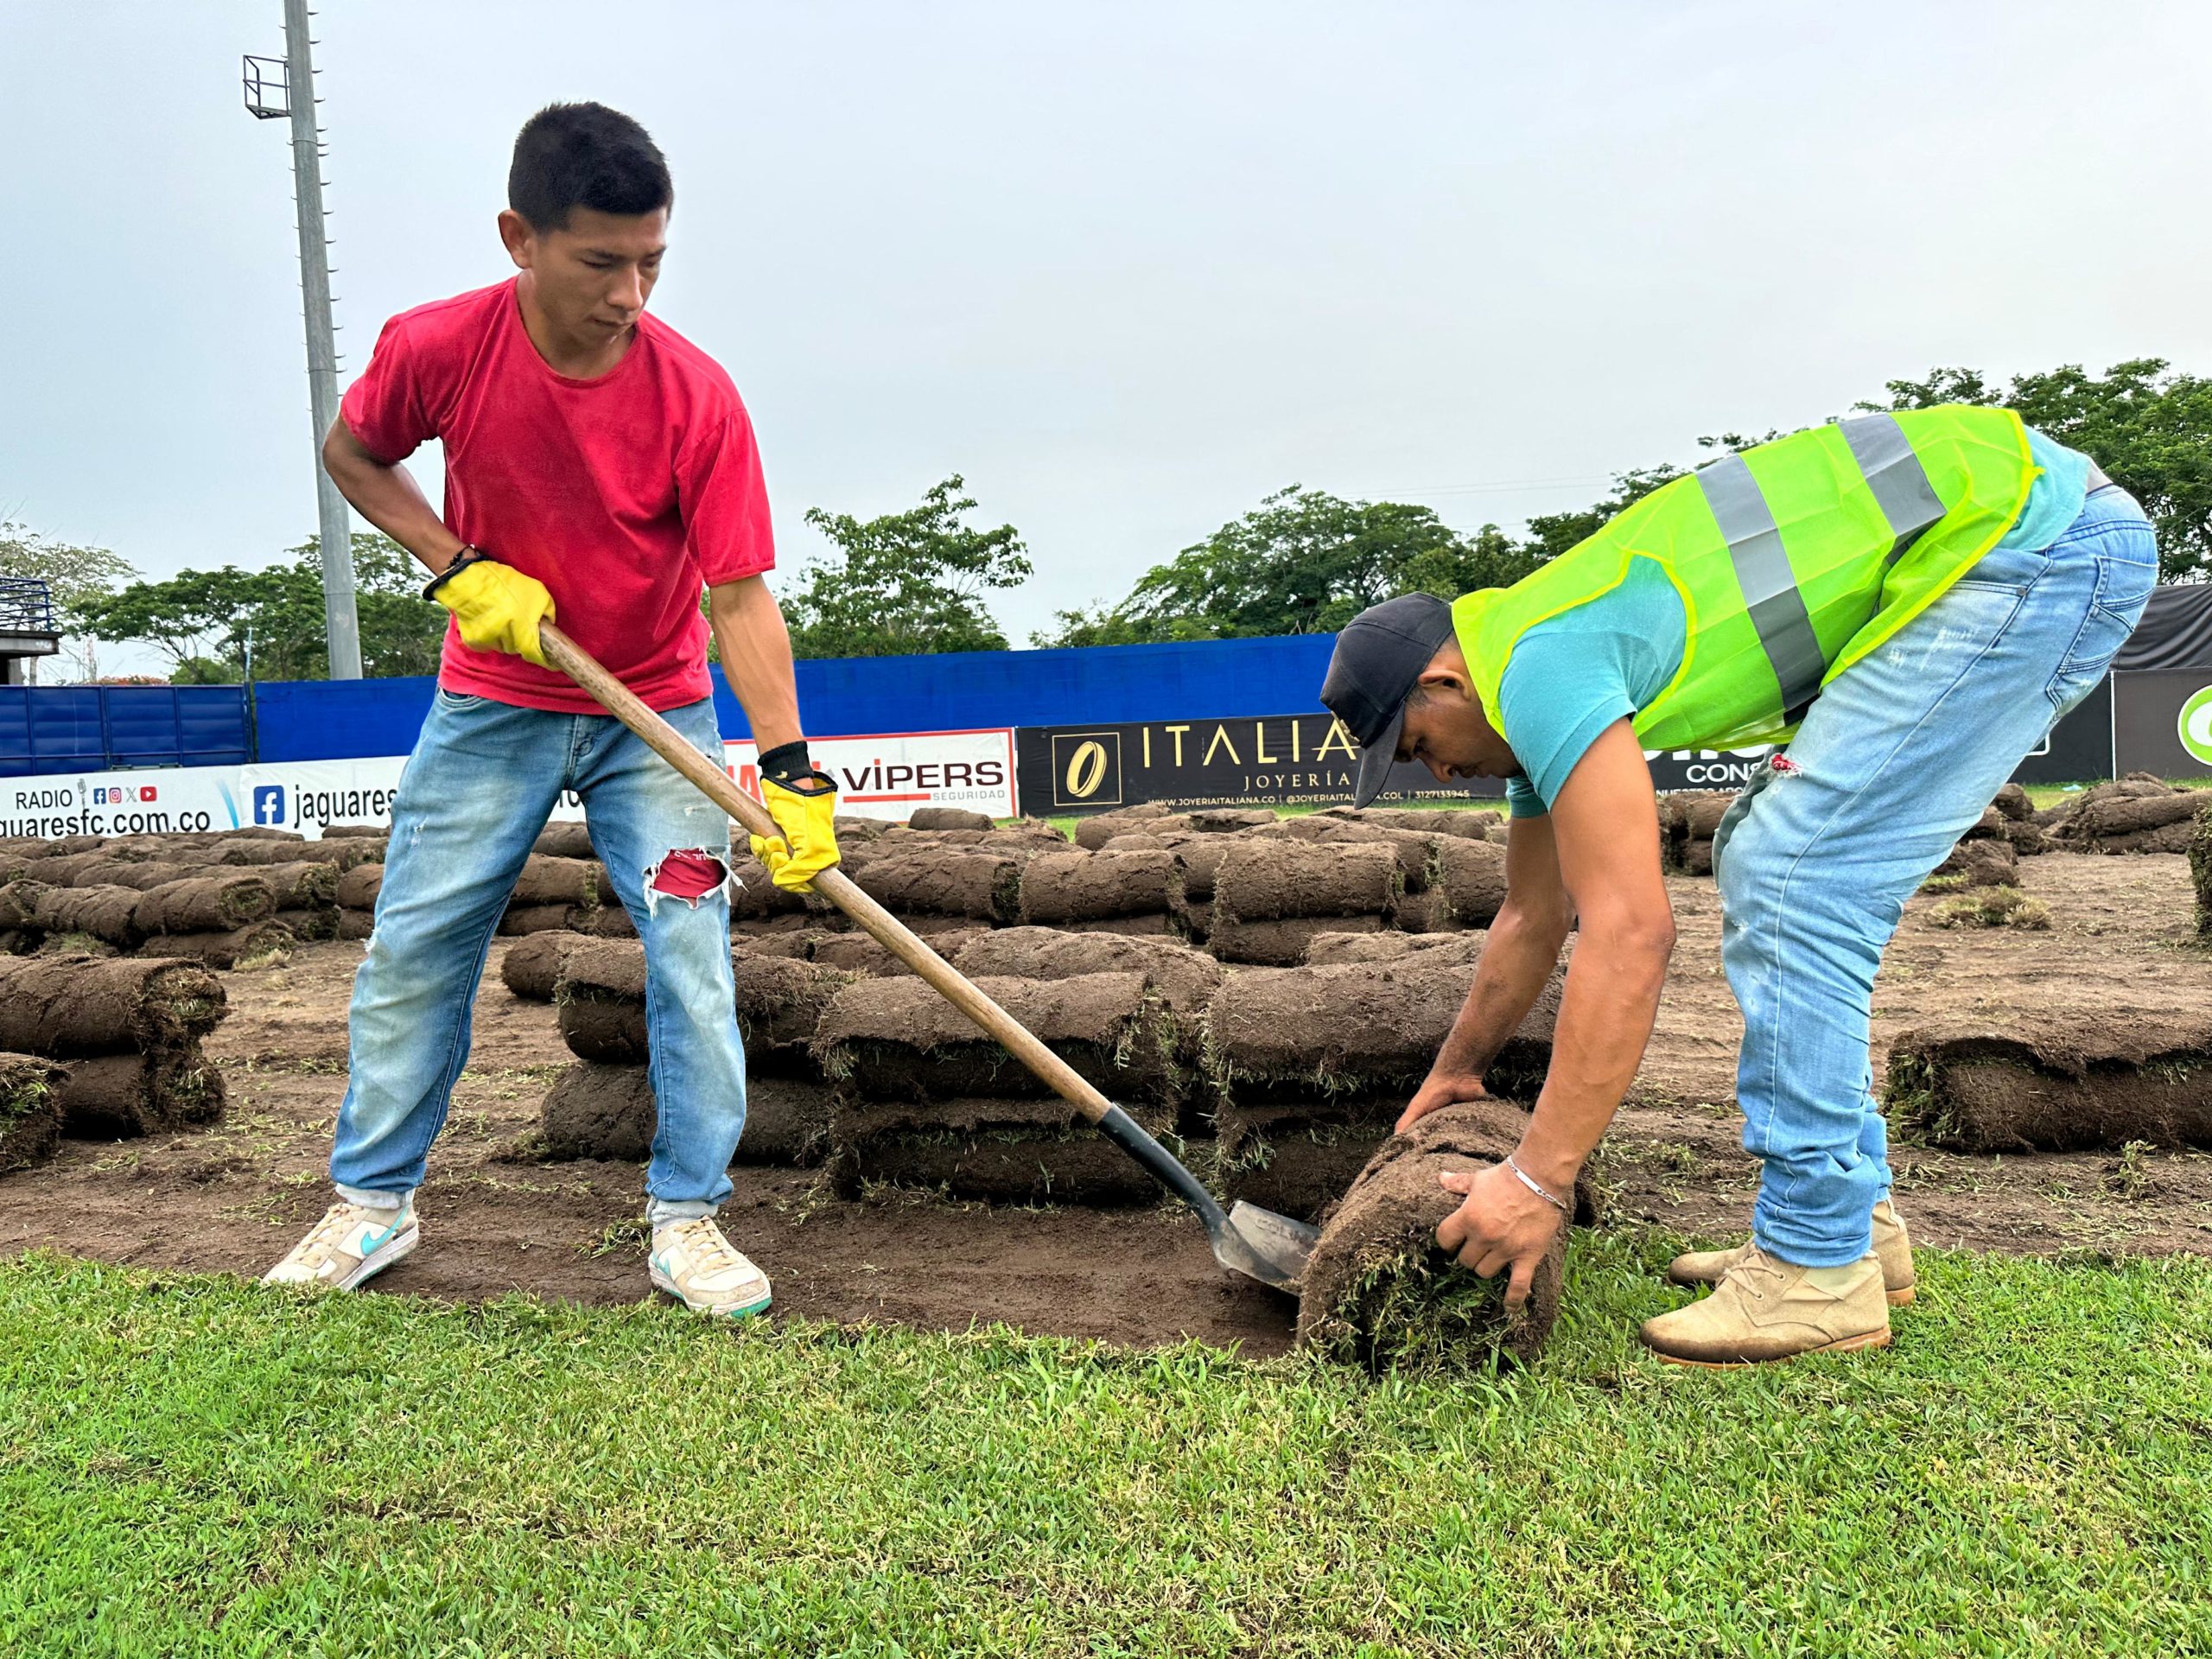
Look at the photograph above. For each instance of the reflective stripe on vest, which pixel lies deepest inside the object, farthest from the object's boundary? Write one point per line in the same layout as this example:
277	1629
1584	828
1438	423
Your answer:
1900	483
1763	571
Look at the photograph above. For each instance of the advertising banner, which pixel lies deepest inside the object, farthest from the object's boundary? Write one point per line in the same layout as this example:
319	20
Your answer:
2162	722
885	777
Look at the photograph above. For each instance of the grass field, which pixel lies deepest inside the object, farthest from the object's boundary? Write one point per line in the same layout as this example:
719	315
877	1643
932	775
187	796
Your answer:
201	1467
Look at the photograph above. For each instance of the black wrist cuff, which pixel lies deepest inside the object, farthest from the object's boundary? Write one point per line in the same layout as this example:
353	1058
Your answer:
787	763
462	561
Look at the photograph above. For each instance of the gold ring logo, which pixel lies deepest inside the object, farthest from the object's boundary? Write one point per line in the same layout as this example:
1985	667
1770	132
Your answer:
1086	769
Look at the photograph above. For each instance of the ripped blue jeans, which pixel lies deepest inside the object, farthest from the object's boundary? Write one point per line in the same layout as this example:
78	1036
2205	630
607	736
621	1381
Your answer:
474	795
1894	762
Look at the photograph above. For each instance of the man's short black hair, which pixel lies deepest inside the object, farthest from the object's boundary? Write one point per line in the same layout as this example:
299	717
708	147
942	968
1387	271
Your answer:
571	156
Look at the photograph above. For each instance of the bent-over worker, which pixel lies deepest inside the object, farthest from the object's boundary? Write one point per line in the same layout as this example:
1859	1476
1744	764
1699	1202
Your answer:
599	469
1906	602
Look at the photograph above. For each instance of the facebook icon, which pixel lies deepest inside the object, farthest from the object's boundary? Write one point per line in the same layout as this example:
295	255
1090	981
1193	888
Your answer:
269	802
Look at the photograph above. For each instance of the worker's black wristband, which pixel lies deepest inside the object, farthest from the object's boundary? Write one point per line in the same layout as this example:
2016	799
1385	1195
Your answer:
787	763
466	556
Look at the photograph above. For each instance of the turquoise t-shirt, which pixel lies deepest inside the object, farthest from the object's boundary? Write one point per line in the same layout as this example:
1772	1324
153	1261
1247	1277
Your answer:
1574	674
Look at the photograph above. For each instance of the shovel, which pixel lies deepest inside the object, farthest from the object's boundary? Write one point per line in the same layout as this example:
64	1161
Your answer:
1256	1242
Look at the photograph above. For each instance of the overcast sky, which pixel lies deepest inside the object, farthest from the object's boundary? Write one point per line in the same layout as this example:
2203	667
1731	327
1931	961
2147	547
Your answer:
1127	267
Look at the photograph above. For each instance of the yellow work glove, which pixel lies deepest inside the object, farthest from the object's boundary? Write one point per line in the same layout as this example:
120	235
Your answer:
498	607
804	807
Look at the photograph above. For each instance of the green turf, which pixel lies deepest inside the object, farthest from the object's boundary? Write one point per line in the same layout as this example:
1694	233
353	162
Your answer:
200	1466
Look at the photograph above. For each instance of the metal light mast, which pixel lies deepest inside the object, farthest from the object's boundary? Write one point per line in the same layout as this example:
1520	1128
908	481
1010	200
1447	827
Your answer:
275	89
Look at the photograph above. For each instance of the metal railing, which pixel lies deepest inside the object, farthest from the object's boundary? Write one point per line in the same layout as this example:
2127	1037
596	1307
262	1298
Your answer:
26	606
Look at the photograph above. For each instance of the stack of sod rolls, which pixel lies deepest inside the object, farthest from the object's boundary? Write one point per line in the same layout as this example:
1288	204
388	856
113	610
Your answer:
2200	869
1313	1065
225	919
603	1106
127	1030
926	1101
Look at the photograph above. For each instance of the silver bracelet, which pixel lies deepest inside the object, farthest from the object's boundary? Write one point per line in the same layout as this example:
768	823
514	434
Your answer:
1529	1181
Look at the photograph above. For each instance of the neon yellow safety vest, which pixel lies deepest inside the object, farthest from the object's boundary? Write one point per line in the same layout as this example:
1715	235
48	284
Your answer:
1793	560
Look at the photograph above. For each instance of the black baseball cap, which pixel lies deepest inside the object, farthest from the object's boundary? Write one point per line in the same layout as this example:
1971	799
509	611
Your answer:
1379	657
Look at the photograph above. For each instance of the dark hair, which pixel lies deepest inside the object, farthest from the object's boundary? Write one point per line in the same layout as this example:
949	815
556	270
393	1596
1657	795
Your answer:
570	156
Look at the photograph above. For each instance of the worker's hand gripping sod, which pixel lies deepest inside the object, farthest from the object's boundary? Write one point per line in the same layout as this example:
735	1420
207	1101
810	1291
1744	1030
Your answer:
803	802
498	607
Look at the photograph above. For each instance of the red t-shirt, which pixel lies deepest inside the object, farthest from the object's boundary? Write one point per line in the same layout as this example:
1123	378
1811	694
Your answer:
624	495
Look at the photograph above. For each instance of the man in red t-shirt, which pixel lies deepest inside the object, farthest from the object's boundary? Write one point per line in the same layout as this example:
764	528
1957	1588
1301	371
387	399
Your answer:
599	468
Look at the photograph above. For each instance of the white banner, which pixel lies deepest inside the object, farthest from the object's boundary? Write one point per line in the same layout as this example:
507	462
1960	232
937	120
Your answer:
885	777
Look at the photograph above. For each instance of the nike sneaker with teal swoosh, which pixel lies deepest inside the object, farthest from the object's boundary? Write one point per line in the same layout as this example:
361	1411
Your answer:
352	1242
693	1263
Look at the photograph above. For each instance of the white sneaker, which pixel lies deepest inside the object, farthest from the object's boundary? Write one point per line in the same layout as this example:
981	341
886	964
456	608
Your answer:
351	1244
693	1263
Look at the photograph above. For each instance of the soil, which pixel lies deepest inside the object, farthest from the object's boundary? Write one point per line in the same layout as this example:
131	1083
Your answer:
234	1196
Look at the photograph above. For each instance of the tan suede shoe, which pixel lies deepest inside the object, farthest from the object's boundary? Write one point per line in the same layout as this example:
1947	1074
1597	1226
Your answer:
1765	1309
1892	1248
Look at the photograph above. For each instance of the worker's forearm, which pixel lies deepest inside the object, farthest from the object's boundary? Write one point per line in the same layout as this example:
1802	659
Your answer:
756	652
1517	956
1604	1021
389	498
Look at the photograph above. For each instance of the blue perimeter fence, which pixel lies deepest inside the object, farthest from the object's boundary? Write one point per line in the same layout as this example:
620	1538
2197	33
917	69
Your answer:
45	730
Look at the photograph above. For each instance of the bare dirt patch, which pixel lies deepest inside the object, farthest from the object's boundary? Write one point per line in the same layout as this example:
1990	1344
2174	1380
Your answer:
234	1196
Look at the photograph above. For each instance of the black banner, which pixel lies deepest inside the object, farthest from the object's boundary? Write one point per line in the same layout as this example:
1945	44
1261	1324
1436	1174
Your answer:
1309	758
1276	761
2162	722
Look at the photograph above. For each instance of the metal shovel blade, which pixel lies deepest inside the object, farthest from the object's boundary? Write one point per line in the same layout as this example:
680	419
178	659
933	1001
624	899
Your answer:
1263	1245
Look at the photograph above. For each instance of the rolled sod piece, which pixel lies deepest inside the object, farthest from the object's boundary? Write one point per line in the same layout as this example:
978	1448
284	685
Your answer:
992	1150
2056	1083
520	919
1152	924
142	873
2029	838
1185	980
30	1111
1092	833
564	840
71	1005
1288	1159
948	818
2012	804
602	997
1197	862
1416	853
2166	838
780	1006
1434	821
1379	1293
894	1039
316	925
258	945
532	966
1694	857
1425	912
345	854
356	925
253	832
206	903
359	888
19	903
754	897
953	881
856	953
108	914
2126	816
1359	1028
1279	945
2200	869
1473	875
1330	947
596	1110
305	884
1265	880
1079	886
573	881
119	1096
1981	863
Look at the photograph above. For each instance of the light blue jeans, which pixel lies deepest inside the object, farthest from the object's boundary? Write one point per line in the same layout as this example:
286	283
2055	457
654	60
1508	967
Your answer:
1894	762
474	795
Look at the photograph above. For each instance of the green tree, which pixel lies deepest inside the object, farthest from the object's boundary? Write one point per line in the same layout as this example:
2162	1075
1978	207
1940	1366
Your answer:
204	621
72	572
2150	429
1302	561
904	583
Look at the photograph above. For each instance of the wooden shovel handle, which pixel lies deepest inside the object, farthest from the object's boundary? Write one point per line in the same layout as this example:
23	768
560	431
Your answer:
834	884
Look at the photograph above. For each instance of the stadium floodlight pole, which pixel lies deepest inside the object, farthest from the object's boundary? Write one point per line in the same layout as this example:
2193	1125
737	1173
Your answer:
341	623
